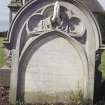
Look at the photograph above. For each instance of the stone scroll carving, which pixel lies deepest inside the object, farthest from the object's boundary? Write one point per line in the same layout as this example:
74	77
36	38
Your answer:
58	19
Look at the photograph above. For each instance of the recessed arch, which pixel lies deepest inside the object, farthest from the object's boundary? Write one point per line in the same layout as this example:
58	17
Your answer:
38	43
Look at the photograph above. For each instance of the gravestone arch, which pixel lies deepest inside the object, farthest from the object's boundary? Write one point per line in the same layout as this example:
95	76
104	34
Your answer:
34	20
18	22
32	48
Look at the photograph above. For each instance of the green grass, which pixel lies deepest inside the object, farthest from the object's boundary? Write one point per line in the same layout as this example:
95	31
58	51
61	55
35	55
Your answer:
2	53
102	66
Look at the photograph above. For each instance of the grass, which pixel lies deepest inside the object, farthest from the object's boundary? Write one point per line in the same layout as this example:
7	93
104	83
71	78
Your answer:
2	53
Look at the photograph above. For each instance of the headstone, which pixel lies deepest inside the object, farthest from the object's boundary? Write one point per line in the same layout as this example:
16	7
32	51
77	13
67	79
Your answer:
5	77
53	47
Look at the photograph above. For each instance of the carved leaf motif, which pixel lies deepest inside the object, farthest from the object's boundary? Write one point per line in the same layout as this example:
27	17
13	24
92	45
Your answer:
39	23
76	26
34	24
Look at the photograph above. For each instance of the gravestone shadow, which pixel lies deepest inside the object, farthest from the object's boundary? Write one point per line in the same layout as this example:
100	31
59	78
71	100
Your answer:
99	85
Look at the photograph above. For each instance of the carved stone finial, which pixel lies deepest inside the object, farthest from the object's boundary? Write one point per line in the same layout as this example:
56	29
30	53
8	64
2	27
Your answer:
23	2
56	13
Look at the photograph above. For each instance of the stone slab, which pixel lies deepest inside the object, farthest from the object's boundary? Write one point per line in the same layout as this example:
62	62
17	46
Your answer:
5	77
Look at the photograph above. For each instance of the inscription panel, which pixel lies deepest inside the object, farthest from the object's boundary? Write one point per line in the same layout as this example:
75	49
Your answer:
54	69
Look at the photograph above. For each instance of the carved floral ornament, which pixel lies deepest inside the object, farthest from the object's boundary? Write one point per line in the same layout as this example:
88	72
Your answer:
55	18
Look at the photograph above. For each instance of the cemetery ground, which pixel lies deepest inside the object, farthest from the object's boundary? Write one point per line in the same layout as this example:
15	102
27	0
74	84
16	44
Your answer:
4	90
2	53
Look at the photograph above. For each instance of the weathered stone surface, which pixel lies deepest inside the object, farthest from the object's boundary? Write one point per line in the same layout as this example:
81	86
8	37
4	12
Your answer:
53	55
5	77
96	8
51	69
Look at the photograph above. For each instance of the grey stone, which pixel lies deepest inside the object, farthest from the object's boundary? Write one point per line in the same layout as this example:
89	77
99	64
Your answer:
15	5
5	77
51	58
